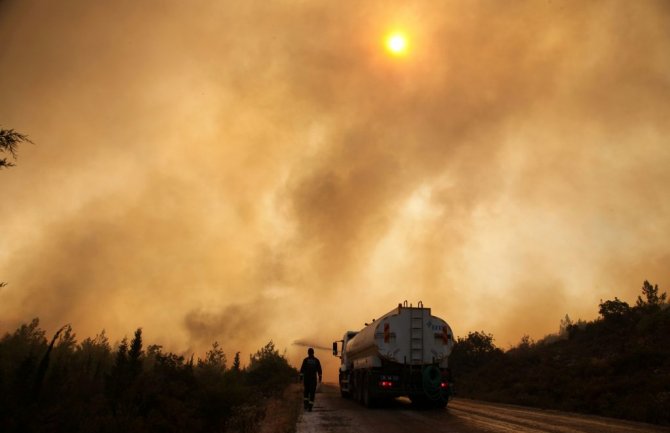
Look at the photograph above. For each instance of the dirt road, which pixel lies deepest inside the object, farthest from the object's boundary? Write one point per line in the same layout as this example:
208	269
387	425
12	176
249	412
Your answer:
333	414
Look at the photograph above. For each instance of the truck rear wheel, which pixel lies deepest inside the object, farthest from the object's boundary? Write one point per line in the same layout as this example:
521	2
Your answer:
368	400
358	396
366	397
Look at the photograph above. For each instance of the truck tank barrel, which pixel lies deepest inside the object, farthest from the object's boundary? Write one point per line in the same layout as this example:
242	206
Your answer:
406	335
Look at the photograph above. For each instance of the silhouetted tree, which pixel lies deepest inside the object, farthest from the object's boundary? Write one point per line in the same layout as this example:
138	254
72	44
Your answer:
616	366
652	299
236	362
44	363
118	377
563	327
215	359
472	352
269	370
613	308
88	387
95	355
20	352
122	355
478	342
135	353
9	141
526	342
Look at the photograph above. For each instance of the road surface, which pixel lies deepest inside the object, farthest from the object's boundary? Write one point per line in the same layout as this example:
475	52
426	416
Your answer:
333	414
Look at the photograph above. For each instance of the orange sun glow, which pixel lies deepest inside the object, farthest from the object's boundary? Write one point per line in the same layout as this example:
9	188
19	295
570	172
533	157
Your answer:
396	44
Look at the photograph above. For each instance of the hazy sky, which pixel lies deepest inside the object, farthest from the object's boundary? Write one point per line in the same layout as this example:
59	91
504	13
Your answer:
254	170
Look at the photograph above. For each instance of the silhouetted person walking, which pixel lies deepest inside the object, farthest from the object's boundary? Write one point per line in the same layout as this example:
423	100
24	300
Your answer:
311	367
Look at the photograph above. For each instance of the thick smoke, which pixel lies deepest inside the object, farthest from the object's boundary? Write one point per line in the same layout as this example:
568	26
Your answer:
247	171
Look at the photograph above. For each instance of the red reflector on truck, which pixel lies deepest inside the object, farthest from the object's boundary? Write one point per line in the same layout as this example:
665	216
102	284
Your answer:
386	384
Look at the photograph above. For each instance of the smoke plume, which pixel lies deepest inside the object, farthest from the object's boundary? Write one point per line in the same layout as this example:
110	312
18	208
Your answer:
247	171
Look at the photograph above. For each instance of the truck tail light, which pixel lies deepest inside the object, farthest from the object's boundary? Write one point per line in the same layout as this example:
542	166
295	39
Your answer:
386	384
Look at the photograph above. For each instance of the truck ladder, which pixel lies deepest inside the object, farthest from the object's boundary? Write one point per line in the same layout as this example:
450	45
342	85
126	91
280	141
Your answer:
416	335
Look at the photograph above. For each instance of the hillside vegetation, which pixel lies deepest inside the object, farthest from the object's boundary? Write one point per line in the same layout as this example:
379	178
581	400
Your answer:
63	385
616	366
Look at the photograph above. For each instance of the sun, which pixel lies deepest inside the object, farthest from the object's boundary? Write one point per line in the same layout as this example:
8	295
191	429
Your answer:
396	43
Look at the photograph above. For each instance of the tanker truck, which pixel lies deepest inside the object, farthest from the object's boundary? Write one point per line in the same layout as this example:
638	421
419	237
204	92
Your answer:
403	353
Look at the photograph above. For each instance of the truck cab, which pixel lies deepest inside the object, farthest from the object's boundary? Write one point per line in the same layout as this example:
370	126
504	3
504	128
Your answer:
345	364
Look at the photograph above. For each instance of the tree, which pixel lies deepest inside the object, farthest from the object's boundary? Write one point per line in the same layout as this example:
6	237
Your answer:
526	343
215	359
269	370
473	351
122	354
236	362
135	353
44	363
9	141
613	308
95	355
478	342
652	299
58	385
563	327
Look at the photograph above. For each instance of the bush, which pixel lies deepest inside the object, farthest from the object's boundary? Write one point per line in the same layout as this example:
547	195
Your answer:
89	386
616	366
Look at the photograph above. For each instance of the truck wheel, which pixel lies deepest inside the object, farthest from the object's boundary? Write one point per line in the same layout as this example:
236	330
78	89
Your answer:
366	396
368	400
357	388
343	393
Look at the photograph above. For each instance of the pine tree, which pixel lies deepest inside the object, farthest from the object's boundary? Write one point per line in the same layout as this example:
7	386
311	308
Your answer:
652	299
135	354
236	362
